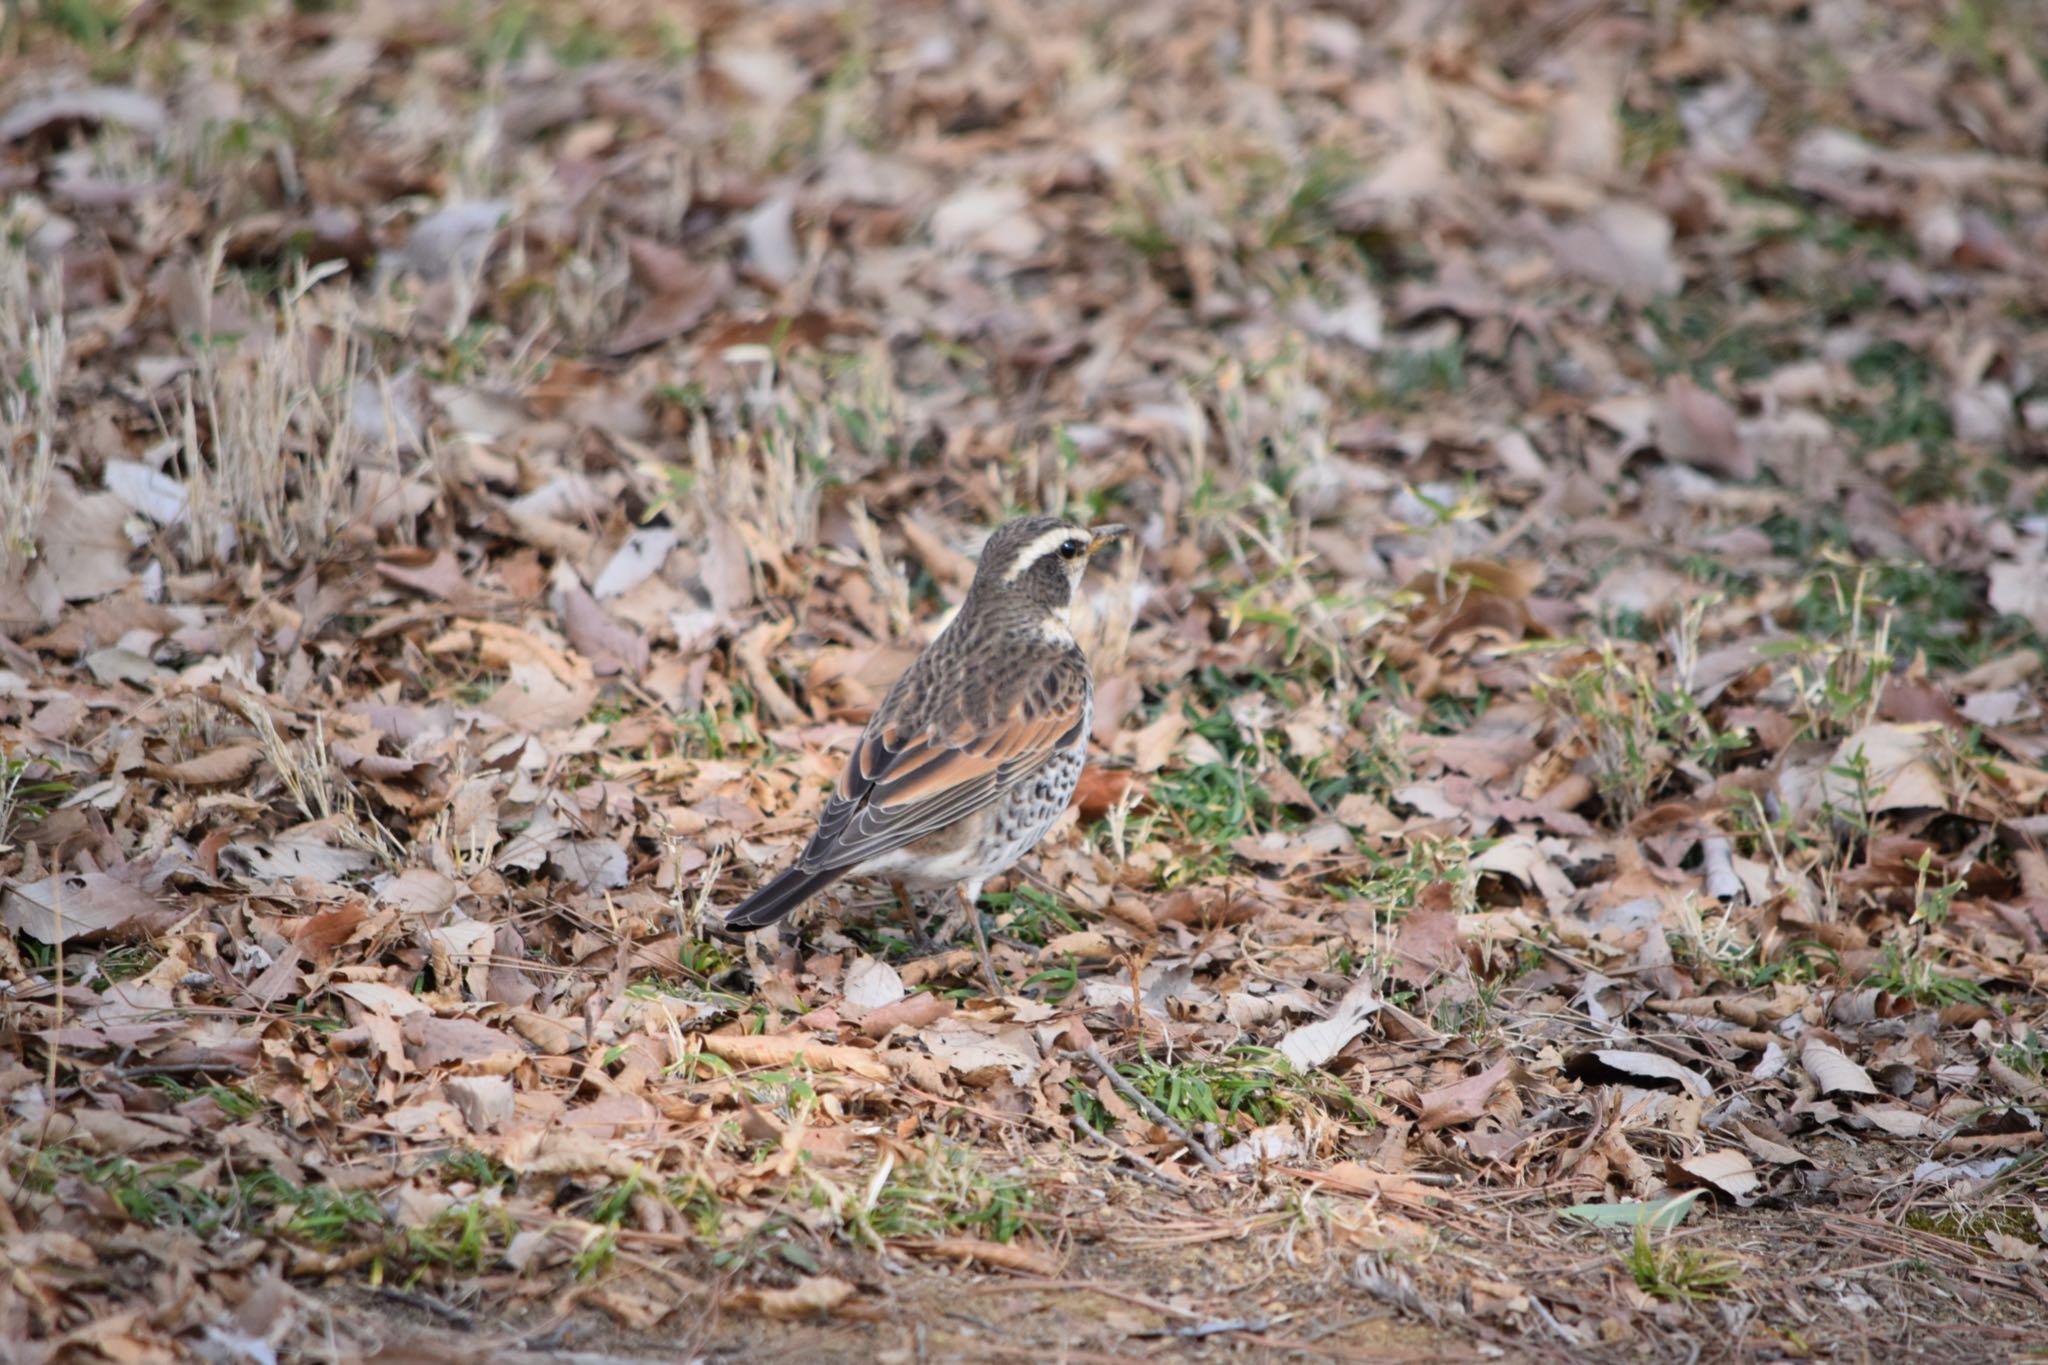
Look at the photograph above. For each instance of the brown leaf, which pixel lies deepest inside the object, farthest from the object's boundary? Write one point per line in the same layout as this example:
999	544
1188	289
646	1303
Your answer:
752	650
1001	1255
229	763
432	1041
1350	1177
440	577
1626	246
680	294
329	929
941	560
84	543
486	1102
979	1052
1101	790
1428	939
727	569
535	700
108	1131
913	1011
83	905
1463	1101
1699	428
784	1049
1151	747
1287	850
812	1294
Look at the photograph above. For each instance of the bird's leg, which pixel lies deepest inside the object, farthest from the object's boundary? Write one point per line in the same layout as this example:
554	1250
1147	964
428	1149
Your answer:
920	941
970	895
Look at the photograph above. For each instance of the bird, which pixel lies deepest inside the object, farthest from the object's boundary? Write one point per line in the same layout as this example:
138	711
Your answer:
976	748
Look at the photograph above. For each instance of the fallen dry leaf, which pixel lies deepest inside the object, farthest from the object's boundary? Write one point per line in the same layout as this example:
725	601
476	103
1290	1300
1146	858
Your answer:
785	1049
812	1294
1312	1044
1464	1101
1833	1072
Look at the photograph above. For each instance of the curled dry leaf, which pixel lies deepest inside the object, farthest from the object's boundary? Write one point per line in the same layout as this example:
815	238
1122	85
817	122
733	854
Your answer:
912	1012
1832	1071
811	1295
1727	1171
1000	1255
1637	1068
1885	767
786	1049
229	763
1101	790
1310	1045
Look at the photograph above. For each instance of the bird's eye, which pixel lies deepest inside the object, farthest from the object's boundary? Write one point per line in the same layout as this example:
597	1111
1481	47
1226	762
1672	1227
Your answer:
1071	549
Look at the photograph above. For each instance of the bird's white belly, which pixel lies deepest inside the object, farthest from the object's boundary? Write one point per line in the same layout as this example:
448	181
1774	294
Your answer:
924	871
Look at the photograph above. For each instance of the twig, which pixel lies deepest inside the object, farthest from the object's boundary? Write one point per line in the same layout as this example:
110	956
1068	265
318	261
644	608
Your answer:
129	1073
1139	1167
1209	1329
1153	1111
446	1312
1086	1287
1564	1334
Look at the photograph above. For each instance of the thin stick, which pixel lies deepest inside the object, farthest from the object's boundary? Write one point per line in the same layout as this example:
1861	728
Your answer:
1153	1111
1139	1167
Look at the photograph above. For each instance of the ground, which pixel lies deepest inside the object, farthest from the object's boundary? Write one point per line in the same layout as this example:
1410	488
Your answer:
1559	872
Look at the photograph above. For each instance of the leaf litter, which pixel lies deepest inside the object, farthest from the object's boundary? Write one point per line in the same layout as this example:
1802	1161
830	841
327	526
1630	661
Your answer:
1569	751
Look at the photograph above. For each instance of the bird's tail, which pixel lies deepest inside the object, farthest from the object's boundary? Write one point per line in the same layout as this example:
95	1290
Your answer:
784	892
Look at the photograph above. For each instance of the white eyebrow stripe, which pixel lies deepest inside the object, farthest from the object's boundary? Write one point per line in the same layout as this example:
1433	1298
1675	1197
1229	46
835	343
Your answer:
1036	550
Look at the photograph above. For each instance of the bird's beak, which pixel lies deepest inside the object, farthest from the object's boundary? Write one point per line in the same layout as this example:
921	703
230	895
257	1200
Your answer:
1105	535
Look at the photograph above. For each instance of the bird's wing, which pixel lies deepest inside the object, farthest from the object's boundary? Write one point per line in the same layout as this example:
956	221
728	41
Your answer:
903	784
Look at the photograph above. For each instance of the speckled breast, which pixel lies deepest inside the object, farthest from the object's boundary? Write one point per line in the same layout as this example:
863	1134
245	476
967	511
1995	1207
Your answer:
1023	817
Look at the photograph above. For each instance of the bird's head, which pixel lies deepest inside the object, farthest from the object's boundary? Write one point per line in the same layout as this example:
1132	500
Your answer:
1040	560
